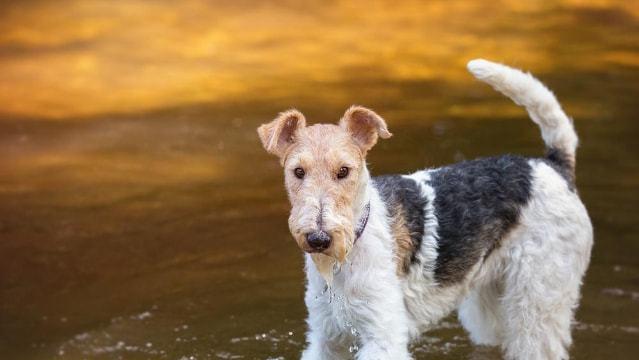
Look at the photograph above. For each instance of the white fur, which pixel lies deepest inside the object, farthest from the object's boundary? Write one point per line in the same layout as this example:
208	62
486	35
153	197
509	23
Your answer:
364	306
544	109
522	297
544	263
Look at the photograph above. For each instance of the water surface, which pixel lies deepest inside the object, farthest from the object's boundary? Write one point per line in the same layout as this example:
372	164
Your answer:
141	219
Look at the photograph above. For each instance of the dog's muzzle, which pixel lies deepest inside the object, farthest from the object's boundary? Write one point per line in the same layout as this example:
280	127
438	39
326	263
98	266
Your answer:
318	240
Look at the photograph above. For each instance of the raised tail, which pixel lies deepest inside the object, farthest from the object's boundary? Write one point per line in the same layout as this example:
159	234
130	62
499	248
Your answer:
542	106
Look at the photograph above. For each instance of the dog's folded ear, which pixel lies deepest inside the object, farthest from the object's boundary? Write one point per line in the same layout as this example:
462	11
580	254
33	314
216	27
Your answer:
279	134
364	126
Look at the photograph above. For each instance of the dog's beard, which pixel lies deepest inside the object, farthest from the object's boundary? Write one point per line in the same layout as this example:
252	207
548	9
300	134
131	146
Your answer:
327	263
325	266
341	230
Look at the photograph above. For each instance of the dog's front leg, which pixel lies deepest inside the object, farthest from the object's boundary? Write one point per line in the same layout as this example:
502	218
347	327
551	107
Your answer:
384	341
376	351
324	338
381	322
326	341
320	347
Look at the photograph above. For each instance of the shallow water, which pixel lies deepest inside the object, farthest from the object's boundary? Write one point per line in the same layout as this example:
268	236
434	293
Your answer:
140	218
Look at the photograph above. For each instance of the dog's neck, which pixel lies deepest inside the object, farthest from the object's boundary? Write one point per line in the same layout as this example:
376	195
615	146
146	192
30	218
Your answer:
363	197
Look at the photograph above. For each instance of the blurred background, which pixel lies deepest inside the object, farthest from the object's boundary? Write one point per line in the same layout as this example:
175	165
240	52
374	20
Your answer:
141	219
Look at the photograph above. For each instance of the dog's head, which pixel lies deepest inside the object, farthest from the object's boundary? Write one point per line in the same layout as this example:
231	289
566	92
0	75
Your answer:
325	174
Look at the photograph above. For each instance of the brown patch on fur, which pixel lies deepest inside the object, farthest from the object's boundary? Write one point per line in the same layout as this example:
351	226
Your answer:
404	246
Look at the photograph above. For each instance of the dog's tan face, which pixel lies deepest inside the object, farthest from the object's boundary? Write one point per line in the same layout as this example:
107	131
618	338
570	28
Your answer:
325	175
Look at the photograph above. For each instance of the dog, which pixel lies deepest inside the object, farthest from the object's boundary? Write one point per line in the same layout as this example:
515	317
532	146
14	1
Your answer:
503	240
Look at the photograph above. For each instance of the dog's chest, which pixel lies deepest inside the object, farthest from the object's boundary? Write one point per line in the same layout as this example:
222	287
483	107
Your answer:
343	305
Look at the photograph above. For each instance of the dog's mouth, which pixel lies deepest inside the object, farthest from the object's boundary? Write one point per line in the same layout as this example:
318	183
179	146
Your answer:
315	251
327	259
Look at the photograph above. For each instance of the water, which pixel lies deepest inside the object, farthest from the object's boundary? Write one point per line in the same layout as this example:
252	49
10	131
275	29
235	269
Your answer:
141	219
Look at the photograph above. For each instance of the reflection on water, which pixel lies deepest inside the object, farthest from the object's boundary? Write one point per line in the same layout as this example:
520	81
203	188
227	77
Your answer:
74	58
146	221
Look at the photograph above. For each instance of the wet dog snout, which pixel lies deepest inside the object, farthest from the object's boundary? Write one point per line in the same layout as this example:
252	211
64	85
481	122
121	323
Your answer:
318	240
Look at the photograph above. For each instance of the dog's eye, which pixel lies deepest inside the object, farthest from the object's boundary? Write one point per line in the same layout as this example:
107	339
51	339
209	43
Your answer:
299	173
342	173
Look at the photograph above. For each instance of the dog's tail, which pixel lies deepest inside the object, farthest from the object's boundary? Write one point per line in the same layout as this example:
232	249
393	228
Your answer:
542	106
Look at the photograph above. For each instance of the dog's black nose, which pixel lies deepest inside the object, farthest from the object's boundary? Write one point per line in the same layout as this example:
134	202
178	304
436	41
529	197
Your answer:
318	240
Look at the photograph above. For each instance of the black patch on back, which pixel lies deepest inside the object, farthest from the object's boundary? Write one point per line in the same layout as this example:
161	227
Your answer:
560	162
476	203
395	189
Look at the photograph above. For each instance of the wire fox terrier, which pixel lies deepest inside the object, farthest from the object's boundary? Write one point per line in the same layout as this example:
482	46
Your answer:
504	240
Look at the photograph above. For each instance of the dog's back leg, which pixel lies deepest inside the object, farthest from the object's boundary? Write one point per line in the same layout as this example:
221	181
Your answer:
537	307
541	293
480	314
547	256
